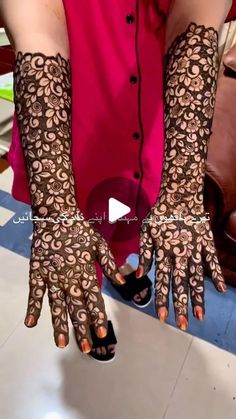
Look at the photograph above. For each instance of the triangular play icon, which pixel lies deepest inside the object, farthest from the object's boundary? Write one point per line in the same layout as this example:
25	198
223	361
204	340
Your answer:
116	210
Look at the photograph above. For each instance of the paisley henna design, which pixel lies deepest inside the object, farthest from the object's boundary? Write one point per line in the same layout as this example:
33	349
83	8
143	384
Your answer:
63	251
183	246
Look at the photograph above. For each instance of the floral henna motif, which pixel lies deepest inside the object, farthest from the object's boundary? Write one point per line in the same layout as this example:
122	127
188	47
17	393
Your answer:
43	106
182	244
63	251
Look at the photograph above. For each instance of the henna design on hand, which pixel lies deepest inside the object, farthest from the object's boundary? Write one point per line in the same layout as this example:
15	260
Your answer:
63	254
181	246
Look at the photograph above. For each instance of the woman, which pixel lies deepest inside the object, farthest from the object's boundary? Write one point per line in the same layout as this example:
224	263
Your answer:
116	52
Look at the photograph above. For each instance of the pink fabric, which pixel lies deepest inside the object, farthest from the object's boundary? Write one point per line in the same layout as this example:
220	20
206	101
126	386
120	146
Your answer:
105	103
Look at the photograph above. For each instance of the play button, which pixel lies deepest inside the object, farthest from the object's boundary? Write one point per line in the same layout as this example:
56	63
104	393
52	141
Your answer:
116	210
108	204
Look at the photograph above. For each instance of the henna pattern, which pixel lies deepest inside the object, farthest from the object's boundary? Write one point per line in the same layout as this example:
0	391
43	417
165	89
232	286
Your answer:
63	254
182	246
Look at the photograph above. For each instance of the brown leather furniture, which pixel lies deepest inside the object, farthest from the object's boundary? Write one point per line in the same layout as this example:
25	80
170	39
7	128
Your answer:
220	181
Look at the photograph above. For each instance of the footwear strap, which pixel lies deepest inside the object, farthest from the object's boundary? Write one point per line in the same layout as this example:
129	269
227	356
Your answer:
132	286
110	338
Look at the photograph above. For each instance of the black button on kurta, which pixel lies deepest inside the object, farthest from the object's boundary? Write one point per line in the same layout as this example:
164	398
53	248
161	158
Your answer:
136	135
129	19
133	79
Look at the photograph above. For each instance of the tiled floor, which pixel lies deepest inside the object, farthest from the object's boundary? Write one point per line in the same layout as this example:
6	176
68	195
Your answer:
159	372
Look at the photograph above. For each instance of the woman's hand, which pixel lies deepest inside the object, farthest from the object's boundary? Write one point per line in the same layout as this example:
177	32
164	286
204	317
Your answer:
64	249
182	246
185	243
63	257
230	58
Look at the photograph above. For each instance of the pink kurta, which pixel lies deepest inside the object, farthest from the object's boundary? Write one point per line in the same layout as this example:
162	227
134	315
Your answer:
117	119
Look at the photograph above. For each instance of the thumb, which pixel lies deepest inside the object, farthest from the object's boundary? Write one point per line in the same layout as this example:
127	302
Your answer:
107	262
146	251
230	58
37	289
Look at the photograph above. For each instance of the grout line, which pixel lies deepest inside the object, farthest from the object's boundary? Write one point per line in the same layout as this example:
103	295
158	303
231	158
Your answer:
177	378
10	335
229	320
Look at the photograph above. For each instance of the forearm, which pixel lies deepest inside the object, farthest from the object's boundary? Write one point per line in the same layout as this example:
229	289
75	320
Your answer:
43	107
43	99
211	13
191	70
190	88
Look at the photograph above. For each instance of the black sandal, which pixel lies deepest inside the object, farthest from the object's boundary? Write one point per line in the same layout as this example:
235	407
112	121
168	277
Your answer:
133	286
110	339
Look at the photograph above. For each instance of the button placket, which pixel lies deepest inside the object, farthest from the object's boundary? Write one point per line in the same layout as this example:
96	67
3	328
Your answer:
133	79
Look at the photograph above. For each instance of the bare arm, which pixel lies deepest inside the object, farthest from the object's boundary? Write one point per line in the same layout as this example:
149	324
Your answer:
184	245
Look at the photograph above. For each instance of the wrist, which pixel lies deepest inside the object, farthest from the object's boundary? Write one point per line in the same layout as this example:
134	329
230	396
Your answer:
54	197
61	210
176	203
184	190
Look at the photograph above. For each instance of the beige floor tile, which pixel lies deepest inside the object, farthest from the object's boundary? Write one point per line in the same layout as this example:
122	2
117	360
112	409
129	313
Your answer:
6	180
5	216
13	291
40	381
206	388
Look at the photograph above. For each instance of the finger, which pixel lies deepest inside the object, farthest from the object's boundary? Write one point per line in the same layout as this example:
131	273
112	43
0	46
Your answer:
146	251
162	283
94	301
229	58
180	291
107	262
37	288
59	317
196	285
212	264
79	317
